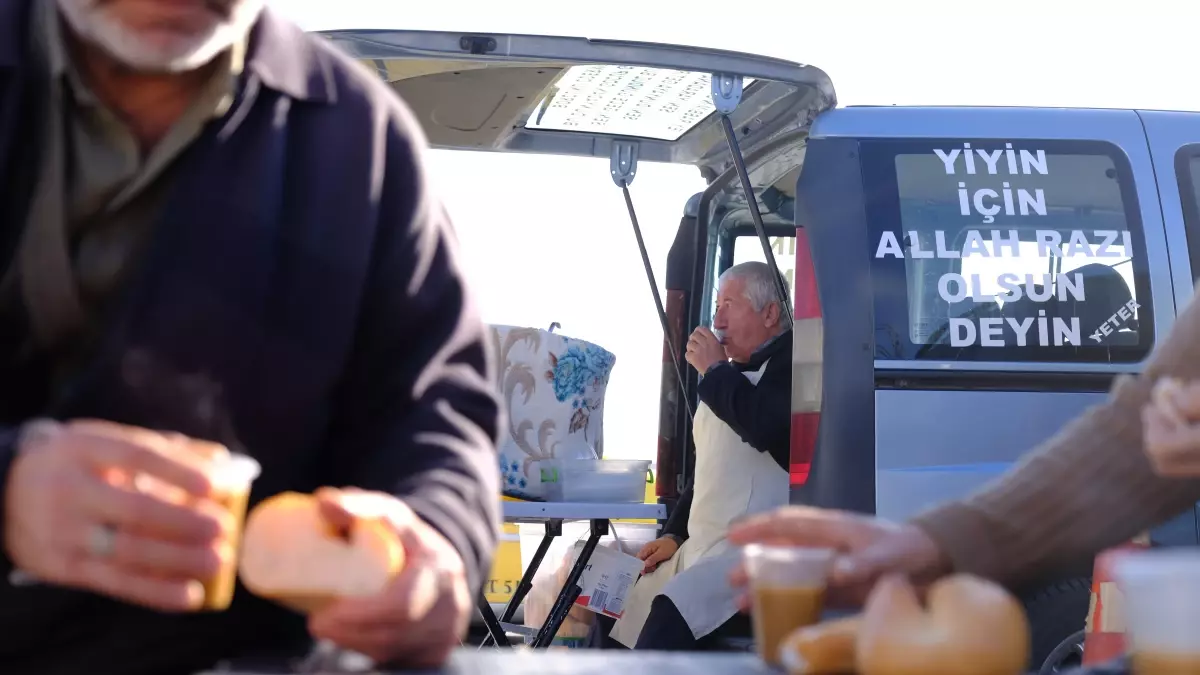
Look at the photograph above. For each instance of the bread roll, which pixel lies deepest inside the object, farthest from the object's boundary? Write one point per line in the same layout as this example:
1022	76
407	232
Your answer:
291	555
824	649
970	627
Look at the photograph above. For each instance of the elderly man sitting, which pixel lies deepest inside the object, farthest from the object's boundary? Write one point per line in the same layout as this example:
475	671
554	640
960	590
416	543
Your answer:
741	431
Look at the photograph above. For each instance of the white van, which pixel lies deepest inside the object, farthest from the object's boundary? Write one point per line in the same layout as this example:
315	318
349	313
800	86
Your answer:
965	280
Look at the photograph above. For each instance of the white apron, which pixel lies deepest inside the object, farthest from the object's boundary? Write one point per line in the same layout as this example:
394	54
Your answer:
732	480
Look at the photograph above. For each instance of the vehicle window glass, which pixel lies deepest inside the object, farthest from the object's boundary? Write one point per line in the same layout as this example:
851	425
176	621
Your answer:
1187	170
747	248
1004	251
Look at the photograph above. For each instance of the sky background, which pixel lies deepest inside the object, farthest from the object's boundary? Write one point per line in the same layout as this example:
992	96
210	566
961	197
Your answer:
547	239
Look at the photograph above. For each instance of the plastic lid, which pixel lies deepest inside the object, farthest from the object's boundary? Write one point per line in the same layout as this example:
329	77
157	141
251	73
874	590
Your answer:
789	565
233	470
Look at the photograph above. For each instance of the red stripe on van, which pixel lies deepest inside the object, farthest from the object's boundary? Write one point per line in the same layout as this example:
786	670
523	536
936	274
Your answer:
808	306
804	442
808	302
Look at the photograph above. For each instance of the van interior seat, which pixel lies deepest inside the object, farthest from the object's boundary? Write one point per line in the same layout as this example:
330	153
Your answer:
1104	292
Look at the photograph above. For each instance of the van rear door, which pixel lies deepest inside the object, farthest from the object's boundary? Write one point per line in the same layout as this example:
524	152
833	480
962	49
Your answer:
1174	139
984	274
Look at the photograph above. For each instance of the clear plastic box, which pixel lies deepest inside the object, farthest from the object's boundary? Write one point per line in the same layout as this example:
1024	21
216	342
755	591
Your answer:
607	481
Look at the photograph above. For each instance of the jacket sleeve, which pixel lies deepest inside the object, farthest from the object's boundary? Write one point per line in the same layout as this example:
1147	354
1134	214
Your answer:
760	415
417	415
1088	488
677	524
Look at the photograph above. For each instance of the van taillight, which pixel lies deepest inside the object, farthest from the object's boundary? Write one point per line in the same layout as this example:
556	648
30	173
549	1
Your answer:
807	367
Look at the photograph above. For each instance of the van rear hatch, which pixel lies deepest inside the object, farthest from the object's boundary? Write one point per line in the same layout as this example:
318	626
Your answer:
628	102
581	97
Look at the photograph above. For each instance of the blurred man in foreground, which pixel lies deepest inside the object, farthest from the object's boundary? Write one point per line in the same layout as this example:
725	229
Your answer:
215	226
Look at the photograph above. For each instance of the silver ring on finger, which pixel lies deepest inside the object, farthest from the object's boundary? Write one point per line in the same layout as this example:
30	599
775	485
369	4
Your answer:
102	540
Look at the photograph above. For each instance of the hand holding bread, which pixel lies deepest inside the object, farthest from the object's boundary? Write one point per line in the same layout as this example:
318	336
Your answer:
371	575
293	555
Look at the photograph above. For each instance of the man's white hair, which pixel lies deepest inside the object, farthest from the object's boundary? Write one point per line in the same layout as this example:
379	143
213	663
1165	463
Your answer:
761	286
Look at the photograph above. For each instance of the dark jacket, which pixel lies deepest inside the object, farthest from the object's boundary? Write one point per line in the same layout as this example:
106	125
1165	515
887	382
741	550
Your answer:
761	415
302	300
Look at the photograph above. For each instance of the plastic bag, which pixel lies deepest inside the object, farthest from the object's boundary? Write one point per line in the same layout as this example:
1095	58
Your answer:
556	567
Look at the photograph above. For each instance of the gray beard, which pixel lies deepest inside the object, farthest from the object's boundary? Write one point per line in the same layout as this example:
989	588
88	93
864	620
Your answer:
125	46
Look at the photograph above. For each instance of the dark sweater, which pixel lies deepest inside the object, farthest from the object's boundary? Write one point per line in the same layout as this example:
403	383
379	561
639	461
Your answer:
301	300
760	415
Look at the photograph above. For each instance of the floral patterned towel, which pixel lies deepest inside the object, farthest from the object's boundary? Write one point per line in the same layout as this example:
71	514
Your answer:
553	389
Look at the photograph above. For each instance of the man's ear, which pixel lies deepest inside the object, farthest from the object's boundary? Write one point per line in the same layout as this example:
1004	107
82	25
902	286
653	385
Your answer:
772	317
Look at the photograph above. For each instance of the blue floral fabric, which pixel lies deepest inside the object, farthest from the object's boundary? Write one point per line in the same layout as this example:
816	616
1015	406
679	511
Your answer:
577	376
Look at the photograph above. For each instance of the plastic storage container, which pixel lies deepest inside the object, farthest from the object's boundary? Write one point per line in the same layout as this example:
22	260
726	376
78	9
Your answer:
610	481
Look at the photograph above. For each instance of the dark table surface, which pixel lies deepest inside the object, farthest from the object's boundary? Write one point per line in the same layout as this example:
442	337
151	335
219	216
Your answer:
470	661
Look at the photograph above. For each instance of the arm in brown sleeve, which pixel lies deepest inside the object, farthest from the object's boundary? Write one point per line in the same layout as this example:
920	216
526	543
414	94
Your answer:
1087	488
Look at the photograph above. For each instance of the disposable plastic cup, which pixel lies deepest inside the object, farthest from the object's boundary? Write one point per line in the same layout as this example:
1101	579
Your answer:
231	474
1160	602
787	586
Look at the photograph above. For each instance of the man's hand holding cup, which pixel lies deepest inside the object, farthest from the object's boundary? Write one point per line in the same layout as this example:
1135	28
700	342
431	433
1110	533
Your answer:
704	350
122	511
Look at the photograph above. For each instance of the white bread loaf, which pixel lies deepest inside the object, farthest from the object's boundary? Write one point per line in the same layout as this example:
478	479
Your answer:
969	626
827	648
292	556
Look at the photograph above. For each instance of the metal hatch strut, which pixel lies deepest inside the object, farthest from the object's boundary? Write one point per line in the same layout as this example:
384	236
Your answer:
623	168
726	95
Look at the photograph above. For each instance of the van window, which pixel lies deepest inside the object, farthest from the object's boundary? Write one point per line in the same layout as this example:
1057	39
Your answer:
987	250
1187	171
747	248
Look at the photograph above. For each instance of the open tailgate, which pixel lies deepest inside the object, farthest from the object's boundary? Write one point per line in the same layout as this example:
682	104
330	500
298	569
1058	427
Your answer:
575	96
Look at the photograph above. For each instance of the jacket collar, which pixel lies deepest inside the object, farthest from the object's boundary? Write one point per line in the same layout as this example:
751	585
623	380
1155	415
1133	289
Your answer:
290	61
281	54
779	344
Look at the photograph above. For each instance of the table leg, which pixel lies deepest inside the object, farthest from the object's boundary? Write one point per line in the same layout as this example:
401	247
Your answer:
553	529
571	589
495	630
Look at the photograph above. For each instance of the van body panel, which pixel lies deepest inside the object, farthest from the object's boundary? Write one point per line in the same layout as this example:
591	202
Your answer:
829	206
1169	133
938	445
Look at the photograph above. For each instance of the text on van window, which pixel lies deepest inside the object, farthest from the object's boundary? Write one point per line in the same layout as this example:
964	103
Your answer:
1005	251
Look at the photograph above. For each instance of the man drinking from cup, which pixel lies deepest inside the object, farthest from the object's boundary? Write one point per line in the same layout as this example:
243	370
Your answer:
741	433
